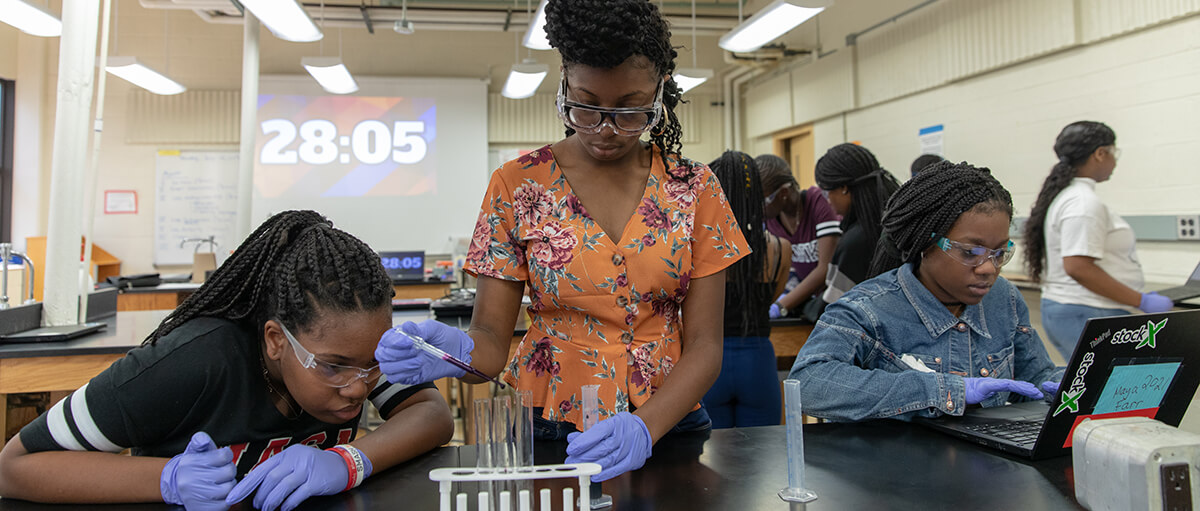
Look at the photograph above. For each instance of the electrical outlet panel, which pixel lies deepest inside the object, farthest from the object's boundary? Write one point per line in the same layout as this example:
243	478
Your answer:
1187	227
1176	487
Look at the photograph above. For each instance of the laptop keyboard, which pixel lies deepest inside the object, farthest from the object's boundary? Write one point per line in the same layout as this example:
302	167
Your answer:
1024	432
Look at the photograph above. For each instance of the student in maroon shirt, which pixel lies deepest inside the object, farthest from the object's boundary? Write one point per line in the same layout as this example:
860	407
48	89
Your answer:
806	220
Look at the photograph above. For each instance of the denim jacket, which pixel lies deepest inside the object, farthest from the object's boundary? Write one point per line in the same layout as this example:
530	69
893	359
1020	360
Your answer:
854	364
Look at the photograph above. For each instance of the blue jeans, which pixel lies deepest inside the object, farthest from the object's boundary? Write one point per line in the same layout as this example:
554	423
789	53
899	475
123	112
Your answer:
555	430
1063	322
746	392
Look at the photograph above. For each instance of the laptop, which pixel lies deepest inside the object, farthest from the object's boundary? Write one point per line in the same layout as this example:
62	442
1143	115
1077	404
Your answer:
1189	290
52	333
404	266
1142	365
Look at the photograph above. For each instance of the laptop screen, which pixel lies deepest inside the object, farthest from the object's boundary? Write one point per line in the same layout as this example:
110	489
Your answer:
1195	278
407	265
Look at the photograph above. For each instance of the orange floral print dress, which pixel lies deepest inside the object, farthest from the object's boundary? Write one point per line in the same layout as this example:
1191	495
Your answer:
603	311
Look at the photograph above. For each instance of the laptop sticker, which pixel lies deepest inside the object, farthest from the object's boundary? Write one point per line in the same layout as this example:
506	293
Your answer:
1135	387
1070	397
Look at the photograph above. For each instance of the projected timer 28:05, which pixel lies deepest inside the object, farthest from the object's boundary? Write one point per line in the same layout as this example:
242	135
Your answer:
370	142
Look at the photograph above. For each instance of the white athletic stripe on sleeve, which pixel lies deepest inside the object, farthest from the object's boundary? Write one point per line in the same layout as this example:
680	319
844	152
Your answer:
383	397
828	228
87	425
56	419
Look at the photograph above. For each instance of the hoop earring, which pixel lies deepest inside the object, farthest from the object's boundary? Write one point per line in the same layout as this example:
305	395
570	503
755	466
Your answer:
662	129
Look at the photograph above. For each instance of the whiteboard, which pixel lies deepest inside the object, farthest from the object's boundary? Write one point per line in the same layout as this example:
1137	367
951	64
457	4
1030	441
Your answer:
196	197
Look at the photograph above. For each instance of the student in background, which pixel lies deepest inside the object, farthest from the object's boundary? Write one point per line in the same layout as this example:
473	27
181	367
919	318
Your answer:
747	391
857	187
943	330
1083	254
805	219
623	245
264	371
923	161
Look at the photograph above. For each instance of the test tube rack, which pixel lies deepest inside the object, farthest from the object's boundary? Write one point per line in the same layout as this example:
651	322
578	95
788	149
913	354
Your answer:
446	477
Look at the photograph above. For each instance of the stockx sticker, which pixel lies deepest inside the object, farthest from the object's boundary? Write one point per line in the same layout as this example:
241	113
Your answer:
1144	336
1070	397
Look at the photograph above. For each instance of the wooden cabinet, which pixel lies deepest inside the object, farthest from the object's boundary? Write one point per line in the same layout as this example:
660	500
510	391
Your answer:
103	264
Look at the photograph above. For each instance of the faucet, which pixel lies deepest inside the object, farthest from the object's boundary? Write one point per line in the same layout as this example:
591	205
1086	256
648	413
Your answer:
6	255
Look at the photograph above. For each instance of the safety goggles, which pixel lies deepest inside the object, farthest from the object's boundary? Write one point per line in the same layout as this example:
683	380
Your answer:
975	255
590	119
771	198
334	375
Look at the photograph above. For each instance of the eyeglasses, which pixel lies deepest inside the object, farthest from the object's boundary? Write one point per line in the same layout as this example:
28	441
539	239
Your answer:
770	198
975	255
589	119
334	375
1115	152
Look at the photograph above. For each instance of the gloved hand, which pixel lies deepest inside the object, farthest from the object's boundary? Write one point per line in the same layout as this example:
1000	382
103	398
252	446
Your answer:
1050	387
1154	302
201	477
290	477
775	313
404	363
619	444
978	389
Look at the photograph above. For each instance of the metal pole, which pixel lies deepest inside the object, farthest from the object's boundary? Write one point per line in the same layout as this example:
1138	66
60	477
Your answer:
93	168
249	124
76	72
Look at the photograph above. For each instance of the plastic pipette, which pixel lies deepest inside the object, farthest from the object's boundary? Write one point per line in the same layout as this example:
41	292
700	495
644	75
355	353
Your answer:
436	352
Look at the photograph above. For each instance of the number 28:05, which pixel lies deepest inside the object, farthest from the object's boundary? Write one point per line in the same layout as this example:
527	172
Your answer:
371	142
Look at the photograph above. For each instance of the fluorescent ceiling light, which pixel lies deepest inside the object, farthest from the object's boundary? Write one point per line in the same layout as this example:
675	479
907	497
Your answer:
688	78
331	73
535	35
769	23
524	79
286	19
129	69
30	19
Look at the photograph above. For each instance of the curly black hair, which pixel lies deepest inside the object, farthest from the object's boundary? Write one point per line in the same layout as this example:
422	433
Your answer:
1073	146
604	34
293	264
926	207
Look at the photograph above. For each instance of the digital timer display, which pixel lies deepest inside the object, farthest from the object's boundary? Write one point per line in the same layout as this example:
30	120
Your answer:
408	265
345	146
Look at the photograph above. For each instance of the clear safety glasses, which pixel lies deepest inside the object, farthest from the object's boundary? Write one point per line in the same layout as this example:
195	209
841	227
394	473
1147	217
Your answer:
334	375
590	119
975	255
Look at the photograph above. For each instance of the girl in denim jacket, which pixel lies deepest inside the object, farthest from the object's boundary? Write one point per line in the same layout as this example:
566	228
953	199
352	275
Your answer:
941	331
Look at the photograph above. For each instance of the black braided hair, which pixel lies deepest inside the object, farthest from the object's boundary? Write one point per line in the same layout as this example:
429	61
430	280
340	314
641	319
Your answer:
926	207
775	172
292	265
604	33
1075	143
739	179
923	161
870	185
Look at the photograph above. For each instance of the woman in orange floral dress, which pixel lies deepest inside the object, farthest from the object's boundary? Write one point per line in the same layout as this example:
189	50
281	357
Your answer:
622	245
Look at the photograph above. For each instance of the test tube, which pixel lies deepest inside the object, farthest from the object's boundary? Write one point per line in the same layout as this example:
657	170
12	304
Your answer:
795	492
523	428
483	444
502	448
590	407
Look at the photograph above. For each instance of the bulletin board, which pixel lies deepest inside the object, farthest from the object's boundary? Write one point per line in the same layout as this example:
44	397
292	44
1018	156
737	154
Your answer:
195	197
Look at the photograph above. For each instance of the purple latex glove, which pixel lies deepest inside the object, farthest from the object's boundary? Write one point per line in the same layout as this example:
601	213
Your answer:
1154	302
201	477
979	389
619	444
290	477
774	312
406	364
1050	387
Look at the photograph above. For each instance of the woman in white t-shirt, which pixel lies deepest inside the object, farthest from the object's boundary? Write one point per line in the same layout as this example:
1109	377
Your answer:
1082	253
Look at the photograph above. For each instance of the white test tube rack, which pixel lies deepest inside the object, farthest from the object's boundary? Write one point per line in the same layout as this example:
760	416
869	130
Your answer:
446	477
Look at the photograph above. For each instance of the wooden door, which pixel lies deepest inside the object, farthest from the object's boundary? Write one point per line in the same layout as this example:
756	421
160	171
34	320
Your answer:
796	146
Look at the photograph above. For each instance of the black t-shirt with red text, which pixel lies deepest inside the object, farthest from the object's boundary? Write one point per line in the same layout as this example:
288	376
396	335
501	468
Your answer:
206	375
